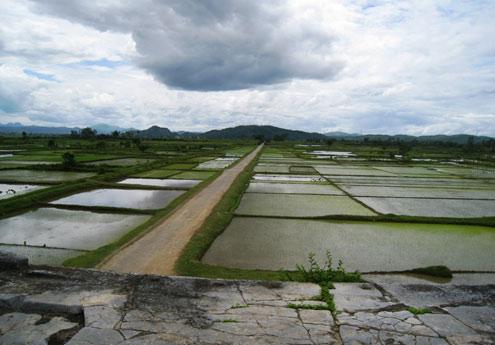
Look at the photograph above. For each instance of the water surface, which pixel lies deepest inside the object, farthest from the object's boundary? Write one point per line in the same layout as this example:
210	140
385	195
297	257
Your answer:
264	243
78	230
9	190
124	198
21	175
161	182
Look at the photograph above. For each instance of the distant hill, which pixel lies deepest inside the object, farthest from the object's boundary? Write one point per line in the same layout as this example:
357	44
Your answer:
239	132
457	138
17	128
267	132
155	132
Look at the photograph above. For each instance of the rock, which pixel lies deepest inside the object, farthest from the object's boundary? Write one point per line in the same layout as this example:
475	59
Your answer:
446	325
96	336
11	261
101	316
472	340
22	329
316	317
357	336
386	321
478	318
72	302
353	297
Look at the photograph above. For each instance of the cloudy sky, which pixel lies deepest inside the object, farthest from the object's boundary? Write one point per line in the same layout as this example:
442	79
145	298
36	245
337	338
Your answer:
415	67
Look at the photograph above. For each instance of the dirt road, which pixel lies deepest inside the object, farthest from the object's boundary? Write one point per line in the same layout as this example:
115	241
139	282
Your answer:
157	251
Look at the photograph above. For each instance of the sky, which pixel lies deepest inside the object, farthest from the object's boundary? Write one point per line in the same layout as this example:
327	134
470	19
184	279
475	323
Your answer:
381	67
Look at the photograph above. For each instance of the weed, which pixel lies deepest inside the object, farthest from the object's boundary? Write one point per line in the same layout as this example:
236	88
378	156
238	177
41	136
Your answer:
434	271
325	274
418	311
309	306
239	306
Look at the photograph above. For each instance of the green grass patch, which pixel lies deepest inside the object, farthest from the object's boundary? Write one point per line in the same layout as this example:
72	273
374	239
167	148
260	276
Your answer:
434	271
419	311
157	173
201	159
180	166
195	175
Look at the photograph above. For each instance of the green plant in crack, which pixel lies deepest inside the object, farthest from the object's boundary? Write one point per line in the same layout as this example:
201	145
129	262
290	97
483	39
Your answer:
315	273
420	310
324	276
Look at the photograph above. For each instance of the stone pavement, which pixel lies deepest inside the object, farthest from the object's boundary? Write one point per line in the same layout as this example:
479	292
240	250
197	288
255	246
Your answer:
40	305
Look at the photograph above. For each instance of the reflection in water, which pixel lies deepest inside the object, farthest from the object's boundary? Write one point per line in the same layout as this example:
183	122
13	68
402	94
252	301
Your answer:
125	198
79	230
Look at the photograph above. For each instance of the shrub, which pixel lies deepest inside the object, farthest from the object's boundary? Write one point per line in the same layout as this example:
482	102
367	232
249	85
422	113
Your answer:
434	271
326	274
418	311
69	160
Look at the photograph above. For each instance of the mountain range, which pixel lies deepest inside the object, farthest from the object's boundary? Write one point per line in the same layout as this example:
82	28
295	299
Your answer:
238	132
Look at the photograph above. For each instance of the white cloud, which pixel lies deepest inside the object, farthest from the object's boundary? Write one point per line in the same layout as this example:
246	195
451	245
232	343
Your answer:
407	67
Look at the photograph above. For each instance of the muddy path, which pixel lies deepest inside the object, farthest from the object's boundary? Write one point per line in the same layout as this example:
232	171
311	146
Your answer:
158	250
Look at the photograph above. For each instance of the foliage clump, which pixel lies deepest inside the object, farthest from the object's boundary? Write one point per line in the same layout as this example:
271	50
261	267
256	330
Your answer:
323	275
434	271
68	161
418	311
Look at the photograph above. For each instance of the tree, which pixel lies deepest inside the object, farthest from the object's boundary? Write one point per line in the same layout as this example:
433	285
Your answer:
24	136
74	134
115	134
69	160
88	132
52	144
470	147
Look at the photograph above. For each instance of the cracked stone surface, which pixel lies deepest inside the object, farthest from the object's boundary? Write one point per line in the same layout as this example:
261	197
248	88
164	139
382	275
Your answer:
24	329
86	307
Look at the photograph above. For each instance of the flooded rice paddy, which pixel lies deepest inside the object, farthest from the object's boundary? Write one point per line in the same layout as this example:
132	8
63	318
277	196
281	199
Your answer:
293	188
41	176
161	182
263	243
272	168
121	162
123	198
456	208
331	170
289	178
267	234
67	229
299	205
194	175
424	192
8	190
40	255
216	164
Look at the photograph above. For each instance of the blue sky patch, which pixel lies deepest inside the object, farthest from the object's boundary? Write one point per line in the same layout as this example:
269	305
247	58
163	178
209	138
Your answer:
39	75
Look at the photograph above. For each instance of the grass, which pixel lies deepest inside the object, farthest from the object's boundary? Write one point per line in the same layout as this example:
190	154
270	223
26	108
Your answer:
194	175
434	271
180	166
326	274
419	311
157	173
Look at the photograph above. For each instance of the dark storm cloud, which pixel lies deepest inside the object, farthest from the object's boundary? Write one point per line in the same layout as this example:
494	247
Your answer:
212	45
